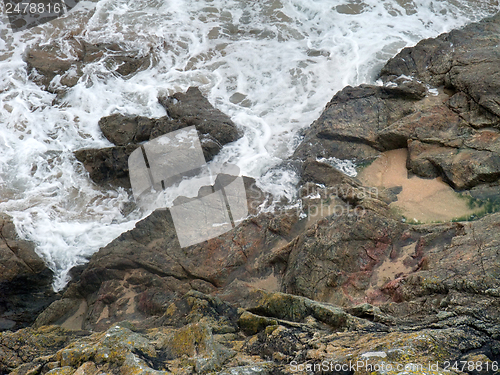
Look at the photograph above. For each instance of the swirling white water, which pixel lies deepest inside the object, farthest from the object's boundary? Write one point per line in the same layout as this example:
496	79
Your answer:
271	65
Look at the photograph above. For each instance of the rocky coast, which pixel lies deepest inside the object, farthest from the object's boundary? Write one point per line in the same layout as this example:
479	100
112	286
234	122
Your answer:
362	290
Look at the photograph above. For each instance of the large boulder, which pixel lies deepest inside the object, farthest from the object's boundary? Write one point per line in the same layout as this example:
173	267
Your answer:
192	108
110	165
451	133
107	165
25	280
462	168
351	121
183	109
464	60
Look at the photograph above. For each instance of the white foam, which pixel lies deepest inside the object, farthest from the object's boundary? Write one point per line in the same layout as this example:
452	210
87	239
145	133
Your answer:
270	65
345	166
433	92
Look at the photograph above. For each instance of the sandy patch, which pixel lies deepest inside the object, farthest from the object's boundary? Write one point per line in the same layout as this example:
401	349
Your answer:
104	314
391	269
270	283
131	305
425	200
75	321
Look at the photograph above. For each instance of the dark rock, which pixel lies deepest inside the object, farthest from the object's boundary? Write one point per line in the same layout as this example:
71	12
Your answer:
334	260
107	165
441	143
25	280
465	60
321	173
110	165
303	331
339	194
58	312
351	121
392	193
276	343
421	156
463	168
192	108
45	62
121	129
184	109
435	125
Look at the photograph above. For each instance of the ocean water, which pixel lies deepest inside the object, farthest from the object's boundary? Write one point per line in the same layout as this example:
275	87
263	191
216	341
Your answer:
271	65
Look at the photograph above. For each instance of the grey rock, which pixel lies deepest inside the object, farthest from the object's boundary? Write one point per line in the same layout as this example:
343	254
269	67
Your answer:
110	165
25	280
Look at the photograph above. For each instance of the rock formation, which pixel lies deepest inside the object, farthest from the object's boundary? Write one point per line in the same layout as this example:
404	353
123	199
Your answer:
25	280
110	165
341	285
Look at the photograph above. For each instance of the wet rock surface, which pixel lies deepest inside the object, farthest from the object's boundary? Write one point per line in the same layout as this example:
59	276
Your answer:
183	109
280	290
110	165
25	280
340	285
107	165
451	133
464	60
60	66
349	125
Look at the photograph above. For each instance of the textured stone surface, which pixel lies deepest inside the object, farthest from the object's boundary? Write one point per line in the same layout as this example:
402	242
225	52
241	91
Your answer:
110	165
348	127
314	285
292	331
65	59
25	281
452	134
